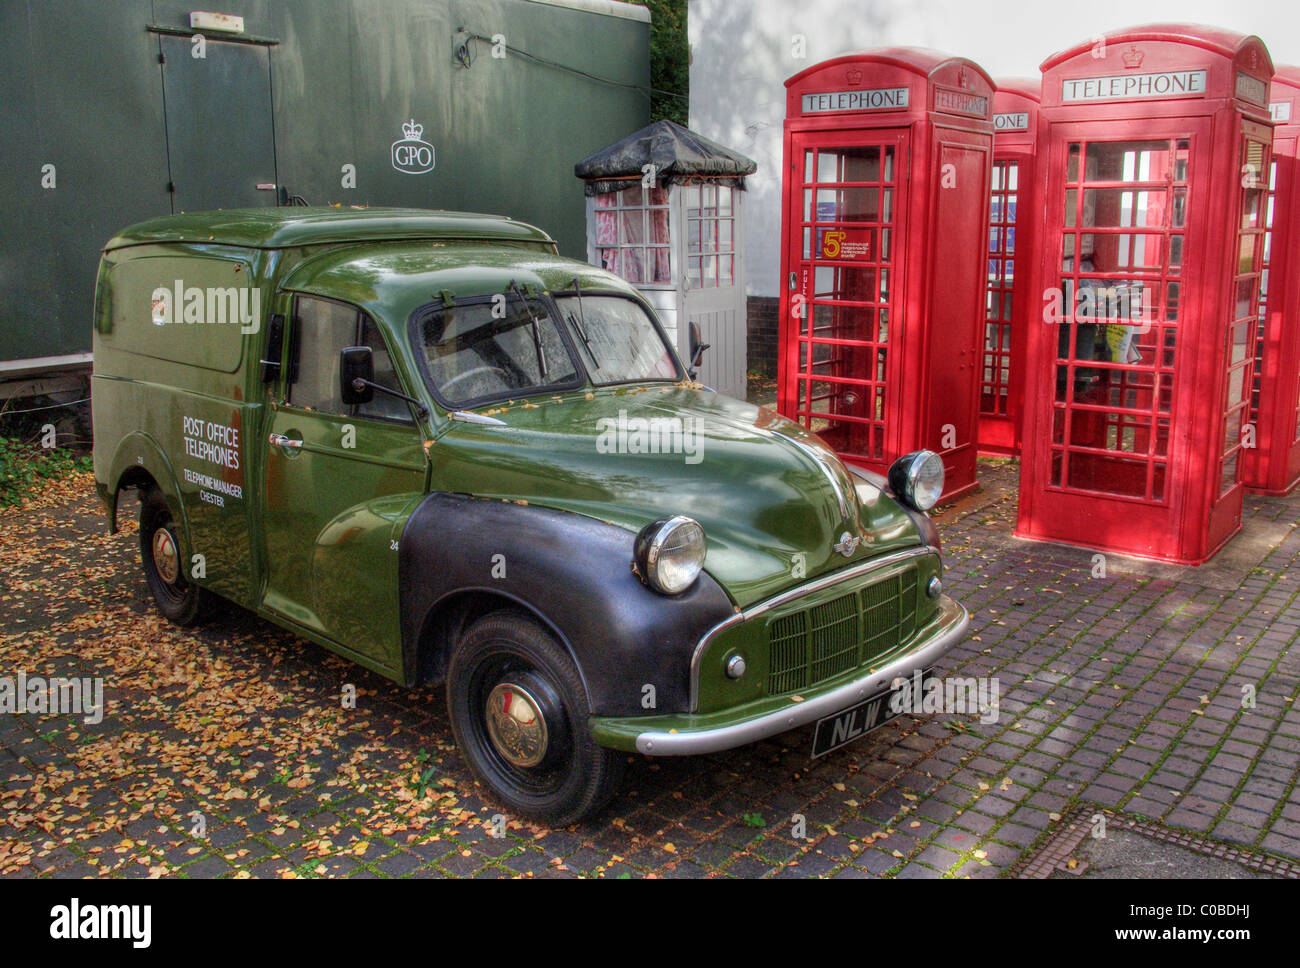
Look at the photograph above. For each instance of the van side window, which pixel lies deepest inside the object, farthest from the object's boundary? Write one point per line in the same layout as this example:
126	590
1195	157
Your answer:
324	329
381	404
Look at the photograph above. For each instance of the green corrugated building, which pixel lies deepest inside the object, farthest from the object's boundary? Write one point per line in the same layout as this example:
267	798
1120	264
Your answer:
116	112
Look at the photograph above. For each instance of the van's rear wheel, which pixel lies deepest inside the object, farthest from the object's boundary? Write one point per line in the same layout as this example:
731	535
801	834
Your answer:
519	713
160	552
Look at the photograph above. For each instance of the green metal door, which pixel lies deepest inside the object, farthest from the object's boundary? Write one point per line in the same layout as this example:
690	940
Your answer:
220	134
340	482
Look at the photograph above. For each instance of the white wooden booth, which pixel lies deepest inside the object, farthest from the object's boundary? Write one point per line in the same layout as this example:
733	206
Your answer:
664	211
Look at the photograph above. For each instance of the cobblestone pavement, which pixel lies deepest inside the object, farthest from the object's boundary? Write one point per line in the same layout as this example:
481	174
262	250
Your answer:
226	751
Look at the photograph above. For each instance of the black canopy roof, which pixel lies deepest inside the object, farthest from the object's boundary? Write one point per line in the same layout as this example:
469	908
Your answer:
678	154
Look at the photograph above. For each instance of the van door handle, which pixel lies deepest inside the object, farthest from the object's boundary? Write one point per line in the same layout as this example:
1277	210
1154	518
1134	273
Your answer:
286	443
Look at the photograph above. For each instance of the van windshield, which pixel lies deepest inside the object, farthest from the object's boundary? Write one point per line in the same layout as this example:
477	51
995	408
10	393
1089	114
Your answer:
617	341
507	345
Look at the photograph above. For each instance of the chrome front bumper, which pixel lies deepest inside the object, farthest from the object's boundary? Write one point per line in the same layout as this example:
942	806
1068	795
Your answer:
951	626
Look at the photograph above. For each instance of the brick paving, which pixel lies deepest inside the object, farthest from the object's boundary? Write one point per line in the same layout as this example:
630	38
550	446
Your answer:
225	752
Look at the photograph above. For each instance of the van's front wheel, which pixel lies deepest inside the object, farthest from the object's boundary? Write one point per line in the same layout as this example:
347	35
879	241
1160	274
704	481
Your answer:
179	599
519	713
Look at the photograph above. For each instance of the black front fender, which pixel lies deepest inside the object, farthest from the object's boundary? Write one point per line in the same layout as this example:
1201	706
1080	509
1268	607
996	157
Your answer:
575	574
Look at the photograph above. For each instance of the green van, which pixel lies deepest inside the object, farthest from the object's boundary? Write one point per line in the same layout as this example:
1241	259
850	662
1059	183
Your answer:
426	442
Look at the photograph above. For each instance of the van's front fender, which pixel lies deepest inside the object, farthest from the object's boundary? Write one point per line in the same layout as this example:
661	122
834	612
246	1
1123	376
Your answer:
575	575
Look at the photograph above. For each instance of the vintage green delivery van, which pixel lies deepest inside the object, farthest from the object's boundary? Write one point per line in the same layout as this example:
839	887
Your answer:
425	441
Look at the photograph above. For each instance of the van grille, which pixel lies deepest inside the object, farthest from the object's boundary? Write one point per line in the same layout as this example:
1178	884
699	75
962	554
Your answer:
807	647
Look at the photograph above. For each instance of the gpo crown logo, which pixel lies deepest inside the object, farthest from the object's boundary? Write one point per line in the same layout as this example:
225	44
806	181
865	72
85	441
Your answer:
411	155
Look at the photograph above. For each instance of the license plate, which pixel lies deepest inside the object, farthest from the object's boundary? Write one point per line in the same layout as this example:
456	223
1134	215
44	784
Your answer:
843	727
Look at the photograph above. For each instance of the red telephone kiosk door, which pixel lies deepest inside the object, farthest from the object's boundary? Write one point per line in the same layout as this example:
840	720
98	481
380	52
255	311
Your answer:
961	161
885	194
1009	309
845	272
999	434
1125	203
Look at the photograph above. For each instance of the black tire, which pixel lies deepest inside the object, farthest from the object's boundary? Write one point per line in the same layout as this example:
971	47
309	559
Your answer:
179	599
575	777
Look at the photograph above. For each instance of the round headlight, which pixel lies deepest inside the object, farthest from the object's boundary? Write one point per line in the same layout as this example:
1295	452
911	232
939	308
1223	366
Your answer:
670	553
917	479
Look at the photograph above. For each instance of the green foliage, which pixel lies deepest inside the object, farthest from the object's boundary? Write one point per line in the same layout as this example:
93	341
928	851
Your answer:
24	467
421	786
670	60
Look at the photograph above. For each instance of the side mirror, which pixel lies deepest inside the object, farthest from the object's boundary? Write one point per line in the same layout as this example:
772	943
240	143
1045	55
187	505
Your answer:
697	345
356	374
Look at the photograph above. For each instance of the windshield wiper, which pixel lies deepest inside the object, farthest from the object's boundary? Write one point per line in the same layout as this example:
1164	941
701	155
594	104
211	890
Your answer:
580	324
537	331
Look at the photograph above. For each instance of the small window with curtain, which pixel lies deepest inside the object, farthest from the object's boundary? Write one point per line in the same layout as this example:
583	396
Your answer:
632	234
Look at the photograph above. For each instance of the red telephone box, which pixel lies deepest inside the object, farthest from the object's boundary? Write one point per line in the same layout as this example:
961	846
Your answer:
1008	307
1153	146
885	206
1272	466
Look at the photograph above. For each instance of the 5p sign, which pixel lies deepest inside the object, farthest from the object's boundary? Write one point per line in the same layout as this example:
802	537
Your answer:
411	155
851	244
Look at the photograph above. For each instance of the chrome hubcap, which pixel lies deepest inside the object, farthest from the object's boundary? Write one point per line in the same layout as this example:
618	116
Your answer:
165	557
515	725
